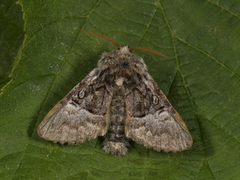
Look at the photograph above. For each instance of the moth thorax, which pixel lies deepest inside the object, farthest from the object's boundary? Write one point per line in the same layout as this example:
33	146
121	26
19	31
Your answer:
119	81
115	141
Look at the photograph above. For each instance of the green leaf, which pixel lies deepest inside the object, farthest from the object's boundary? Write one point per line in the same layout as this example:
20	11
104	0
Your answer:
201	78
11	37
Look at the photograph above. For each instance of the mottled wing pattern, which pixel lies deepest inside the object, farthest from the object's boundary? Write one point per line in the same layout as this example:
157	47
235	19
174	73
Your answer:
81	115
152	121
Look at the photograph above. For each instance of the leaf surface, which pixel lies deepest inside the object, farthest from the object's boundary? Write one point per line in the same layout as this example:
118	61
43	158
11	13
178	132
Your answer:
11	37
201	78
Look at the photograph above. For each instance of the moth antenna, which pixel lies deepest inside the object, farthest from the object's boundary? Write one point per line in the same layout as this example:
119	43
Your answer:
148	50
103	37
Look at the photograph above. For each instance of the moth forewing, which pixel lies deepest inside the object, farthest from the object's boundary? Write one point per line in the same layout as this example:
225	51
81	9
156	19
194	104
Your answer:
74	119
44	126
178	118
158	126
188	138
105	125
118	100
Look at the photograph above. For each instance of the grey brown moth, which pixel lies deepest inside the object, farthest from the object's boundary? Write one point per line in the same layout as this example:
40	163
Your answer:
120	101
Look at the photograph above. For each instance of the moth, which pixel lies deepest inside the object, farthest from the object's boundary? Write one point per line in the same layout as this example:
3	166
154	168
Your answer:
120	101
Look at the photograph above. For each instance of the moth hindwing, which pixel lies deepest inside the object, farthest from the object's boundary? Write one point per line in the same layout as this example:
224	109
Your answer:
120	101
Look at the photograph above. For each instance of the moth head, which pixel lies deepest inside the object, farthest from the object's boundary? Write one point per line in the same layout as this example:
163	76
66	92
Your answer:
122	61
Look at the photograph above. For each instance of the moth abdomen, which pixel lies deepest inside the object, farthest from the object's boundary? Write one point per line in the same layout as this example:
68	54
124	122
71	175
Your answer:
116	129
115	141
115	137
